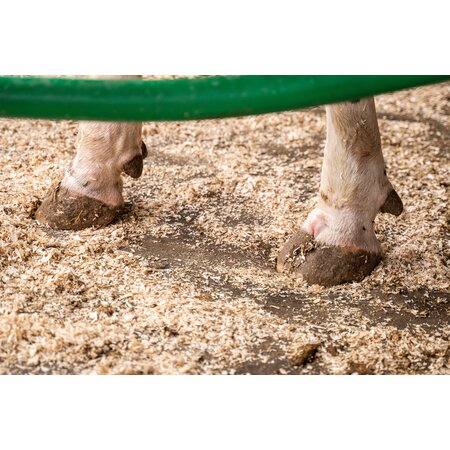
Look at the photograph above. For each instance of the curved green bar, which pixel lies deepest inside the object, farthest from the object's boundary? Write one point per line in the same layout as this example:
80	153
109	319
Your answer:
188	99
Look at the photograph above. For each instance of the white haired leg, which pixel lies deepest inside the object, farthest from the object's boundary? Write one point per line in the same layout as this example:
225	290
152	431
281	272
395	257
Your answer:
90	192
337	243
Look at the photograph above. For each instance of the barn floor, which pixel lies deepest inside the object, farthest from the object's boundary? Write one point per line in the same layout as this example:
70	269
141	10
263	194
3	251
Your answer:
184	282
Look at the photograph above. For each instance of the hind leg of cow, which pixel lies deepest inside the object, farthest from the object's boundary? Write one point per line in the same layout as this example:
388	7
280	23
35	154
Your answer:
90	193
337	243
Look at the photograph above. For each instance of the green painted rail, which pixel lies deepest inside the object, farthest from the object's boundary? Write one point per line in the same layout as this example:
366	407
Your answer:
188	99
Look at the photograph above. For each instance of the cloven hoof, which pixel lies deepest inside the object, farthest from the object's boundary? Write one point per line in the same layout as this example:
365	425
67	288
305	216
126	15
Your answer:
324	265
64	210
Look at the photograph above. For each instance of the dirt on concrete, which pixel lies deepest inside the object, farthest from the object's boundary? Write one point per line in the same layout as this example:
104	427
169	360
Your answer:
184	282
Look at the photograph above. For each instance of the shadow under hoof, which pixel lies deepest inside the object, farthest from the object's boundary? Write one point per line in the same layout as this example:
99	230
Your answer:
64	210
324	265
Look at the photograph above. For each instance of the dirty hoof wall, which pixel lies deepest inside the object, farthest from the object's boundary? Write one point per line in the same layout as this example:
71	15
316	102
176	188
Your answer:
64	210
325	265
70	204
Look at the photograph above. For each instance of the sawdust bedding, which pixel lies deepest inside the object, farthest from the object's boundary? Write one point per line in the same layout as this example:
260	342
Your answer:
184	281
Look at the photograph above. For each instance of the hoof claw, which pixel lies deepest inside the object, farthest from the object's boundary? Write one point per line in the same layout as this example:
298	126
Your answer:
324	265
144	150
393	204
64	210
135	167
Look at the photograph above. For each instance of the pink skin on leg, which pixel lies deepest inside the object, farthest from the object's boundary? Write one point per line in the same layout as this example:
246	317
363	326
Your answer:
103	152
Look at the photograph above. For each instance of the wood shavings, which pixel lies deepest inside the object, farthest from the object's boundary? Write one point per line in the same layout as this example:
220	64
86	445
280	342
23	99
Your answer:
185	282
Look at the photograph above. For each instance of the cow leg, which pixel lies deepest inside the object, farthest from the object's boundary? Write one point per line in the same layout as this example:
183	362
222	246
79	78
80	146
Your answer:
337	243
90	193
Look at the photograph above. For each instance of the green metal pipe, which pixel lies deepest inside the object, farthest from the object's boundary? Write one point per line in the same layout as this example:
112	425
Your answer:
188	99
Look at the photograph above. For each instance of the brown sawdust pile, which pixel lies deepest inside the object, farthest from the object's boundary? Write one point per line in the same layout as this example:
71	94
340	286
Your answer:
184	282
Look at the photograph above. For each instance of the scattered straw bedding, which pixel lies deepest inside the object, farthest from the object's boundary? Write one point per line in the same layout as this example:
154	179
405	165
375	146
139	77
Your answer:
184	282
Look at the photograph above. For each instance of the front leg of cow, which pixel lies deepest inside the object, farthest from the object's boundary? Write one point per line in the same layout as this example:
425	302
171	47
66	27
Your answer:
90	193
337	243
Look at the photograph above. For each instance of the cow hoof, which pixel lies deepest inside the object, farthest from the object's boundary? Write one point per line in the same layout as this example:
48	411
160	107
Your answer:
324	265
65	210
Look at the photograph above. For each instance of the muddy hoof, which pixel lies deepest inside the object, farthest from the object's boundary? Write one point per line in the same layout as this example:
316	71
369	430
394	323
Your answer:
324	265
63	210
